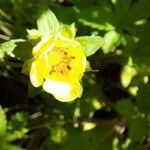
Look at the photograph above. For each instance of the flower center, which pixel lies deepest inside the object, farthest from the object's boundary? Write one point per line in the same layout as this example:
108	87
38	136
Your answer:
60	60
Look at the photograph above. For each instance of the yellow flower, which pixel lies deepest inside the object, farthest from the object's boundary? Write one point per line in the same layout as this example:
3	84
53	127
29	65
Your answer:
58	64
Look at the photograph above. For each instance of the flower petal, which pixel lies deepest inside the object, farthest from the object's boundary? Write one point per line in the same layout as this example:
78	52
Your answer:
63	91
44	45
35	76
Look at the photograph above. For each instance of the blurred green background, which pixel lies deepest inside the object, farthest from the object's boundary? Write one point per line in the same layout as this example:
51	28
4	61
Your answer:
114	110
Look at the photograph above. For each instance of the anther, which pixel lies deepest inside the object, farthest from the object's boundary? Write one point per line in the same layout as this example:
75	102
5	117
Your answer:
72	57
61	72
68	67
65	53
50	73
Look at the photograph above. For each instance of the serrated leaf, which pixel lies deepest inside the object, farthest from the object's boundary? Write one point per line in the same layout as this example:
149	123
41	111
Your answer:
3	122
90	43
47	22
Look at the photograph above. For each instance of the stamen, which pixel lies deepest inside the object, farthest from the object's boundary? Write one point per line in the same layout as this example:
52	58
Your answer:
50	73
72	57
65	53
68	67
64	61
61	72
52	70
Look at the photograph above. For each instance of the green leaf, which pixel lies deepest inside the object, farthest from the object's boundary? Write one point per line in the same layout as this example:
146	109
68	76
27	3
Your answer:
138	129
99	19
127	73
47	22
126	108
18	121
130	45
102	132
90	43
20	48
112	40
140	10
141	53
3	122
32	91
143	98
7	48
33	34
121	12
27	66
23	49
11	147
68	31
138	147
91	97
58	134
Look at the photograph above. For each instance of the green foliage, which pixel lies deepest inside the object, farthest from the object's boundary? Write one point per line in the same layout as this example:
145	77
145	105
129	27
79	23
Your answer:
21	49
47	22
126	108
90	44
6	48
114	110
12	130
3	122
112	41
143	98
